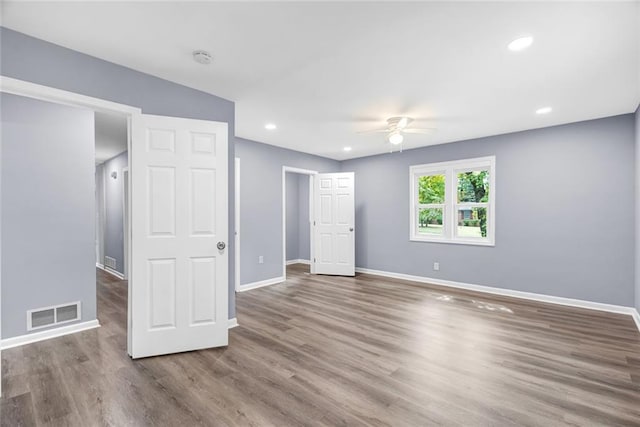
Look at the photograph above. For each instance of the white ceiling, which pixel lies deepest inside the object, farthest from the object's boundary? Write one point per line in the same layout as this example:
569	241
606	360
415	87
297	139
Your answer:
324	71
111	136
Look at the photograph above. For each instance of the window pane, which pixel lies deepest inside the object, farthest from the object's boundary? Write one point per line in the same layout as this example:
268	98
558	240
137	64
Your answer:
472	222
430	221
431	189
473	187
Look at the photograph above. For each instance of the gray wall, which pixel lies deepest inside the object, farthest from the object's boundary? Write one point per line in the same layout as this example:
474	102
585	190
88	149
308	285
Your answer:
303	217
27	58
637	136
565	213
261	204
114	209
297	218
47	192
292	215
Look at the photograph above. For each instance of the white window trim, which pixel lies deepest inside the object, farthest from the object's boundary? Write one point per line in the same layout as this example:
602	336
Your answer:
450	205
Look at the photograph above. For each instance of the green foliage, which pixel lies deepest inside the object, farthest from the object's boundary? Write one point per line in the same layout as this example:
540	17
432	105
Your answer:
431	189
430	216
474	187
471	222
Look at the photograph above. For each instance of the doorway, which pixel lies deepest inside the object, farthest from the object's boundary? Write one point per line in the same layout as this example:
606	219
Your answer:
297	217
178	192
111	177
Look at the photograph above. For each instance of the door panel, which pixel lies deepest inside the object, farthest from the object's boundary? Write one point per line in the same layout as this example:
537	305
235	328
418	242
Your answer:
203	292
202	202
334	224
179	278
162	293
162	201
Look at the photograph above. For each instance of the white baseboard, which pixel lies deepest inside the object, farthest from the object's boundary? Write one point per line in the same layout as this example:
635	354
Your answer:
260	284
636	318
510	293
110	271
48	334
298	261
114	273
64	330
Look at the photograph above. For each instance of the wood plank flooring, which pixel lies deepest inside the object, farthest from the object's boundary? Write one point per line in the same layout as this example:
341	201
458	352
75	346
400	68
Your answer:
338	351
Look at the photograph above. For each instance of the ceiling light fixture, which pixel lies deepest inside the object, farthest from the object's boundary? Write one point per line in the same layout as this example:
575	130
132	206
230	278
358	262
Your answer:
396	128
202	57
347	148
521	43
544	110
270	126
395	138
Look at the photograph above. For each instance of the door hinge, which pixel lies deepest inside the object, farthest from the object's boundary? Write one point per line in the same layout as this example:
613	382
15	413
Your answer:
314	260
314	223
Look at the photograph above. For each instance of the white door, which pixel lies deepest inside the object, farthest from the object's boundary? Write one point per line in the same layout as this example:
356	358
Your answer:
334	224
178	292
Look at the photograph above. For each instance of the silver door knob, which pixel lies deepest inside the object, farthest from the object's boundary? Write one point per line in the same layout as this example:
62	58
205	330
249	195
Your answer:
221	245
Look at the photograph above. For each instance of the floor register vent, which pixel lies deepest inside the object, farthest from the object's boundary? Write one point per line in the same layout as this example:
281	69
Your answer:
54	315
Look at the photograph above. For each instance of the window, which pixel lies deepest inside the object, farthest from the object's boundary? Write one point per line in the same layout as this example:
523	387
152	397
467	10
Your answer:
453	202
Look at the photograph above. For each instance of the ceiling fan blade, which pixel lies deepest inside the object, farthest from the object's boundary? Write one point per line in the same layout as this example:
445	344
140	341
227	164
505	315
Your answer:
374	131
422	131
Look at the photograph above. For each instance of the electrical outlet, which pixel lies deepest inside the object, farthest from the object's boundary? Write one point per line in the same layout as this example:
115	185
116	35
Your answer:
260	259
436	266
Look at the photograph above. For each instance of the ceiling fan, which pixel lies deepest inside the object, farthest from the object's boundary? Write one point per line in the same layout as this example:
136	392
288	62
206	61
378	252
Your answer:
397	127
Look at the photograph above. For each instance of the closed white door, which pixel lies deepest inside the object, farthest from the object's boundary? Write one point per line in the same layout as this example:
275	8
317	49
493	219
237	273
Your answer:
334	234
178	292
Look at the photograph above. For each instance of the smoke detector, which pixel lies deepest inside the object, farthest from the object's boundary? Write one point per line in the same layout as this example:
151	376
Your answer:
202	57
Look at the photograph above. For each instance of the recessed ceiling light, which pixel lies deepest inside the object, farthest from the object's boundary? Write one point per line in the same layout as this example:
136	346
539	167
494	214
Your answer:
347	148
202	57
520	43
270	126
544	110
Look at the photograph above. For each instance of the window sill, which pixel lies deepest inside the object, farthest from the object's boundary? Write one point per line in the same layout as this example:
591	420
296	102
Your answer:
453	242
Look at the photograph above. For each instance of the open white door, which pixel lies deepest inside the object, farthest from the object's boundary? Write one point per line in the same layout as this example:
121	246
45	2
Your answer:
178	292
333	228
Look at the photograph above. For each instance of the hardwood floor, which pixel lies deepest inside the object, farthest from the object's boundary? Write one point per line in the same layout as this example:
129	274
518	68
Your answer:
320	350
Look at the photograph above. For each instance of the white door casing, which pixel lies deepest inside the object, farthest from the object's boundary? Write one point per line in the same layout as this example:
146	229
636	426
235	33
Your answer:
334	234
236	221
125	221
179	199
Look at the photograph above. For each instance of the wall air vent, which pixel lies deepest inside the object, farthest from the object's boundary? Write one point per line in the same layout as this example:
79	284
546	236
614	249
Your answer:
54	315
110	262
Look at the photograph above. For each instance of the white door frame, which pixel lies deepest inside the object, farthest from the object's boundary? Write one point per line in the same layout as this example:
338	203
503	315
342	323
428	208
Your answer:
311	174
237	221
125	218
100	221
